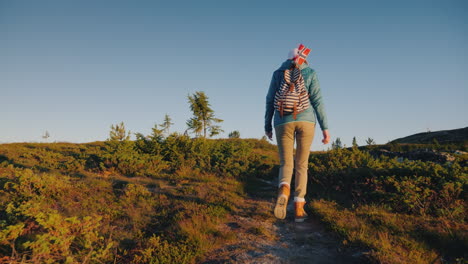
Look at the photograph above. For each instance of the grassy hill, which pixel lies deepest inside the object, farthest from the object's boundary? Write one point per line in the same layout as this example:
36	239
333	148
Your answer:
162	201
459	135
123	202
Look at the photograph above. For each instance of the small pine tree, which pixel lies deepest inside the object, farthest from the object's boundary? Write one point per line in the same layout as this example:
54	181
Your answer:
337	144
234	134
203	116
355	144
151	143
370	141
156	134
119	133
166	125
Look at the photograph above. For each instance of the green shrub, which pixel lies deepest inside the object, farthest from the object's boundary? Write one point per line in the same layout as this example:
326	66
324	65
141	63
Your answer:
409	186
159	251
125	158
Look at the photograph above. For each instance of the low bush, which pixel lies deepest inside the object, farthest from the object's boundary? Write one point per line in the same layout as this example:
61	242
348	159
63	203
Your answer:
153	201
404	211
416	187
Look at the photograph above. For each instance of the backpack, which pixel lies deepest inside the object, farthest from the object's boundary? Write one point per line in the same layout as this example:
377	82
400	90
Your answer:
292	96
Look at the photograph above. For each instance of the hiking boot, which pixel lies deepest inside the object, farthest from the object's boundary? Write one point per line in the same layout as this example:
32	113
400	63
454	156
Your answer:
300	214
282	201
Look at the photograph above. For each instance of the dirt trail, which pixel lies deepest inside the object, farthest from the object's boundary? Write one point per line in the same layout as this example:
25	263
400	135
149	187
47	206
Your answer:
260	238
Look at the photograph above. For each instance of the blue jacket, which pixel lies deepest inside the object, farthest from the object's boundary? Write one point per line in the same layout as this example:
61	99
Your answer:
315	97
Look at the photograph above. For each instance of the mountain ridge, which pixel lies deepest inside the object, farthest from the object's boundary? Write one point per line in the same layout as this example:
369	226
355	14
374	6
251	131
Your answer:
458	135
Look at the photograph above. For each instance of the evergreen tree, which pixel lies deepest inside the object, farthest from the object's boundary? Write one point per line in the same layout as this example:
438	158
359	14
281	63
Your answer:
370	141
166	125
203	119
156	134
234	134
119	133
151	143
337	144
355	145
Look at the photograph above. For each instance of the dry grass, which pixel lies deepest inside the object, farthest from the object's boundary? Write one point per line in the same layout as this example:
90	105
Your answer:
392	238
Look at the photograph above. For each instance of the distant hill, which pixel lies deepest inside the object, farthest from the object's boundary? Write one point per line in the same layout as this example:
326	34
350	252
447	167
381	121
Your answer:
444	136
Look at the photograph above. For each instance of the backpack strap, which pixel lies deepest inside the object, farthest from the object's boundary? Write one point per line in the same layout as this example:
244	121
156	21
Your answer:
281	108
295	111
289	77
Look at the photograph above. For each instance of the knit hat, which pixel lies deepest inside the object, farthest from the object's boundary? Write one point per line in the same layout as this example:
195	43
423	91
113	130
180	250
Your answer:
299	54
292	54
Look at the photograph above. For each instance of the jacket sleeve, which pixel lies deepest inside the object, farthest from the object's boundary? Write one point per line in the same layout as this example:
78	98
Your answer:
270	98
317	101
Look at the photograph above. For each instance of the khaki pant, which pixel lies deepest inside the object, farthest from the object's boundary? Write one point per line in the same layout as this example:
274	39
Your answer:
303	132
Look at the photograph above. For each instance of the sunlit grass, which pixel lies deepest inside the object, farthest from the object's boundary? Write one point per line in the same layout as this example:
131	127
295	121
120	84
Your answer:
393	237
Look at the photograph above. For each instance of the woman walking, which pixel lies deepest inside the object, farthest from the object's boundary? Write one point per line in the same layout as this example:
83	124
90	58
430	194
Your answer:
294	102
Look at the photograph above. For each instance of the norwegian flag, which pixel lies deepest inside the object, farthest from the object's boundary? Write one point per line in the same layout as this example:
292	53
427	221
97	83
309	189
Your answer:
302	54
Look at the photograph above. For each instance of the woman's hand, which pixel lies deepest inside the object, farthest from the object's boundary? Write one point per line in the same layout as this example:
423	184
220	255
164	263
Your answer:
269	135
326	137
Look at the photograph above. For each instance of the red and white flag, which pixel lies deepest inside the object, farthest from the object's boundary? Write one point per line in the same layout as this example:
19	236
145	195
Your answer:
302	53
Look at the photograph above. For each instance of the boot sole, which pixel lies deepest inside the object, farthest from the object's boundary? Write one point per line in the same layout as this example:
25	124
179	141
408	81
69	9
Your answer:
300	220
280	208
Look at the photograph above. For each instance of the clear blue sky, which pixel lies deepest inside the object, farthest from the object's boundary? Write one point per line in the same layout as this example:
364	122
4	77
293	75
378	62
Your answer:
387	69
